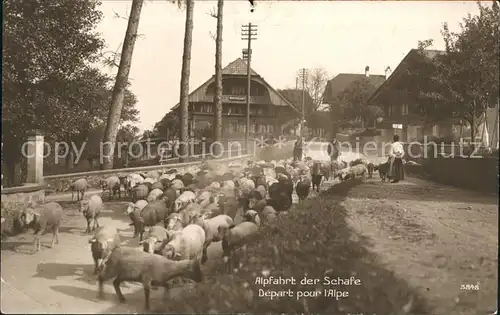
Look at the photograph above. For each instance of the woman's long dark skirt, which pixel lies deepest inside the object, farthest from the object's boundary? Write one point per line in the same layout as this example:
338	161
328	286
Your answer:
398	170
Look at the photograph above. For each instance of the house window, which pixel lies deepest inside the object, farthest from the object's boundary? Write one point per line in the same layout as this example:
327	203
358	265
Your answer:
206	108
234	126
252	128
404	109
238	90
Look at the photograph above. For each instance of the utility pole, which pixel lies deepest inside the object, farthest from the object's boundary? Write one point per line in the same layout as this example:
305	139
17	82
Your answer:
248	33
303	75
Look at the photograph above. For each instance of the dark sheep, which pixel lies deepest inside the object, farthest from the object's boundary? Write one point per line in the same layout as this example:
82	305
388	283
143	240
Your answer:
131	264
303	188
169	195
370	168
166	183
42	219
383	170
157	185
187	179
156	211
316	176
140	192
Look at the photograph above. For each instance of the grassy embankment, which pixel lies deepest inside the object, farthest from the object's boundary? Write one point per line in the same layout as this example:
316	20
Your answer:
313	239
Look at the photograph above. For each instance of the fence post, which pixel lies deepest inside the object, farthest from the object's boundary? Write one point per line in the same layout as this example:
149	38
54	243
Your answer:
35	158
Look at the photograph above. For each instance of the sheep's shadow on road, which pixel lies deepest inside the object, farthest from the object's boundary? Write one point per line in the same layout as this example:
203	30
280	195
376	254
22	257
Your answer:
82	293
54	271
15	246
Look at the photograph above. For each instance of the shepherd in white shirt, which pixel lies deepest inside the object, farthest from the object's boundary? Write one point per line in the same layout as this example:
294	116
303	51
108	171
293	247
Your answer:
396	153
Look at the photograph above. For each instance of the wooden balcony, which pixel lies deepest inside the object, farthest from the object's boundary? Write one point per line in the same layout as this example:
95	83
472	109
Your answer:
239	99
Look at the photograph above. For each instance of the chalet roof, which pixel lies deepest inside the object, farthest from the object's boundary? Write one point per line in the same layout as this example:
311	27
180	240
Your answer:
238	67
294	96
402	66
340	82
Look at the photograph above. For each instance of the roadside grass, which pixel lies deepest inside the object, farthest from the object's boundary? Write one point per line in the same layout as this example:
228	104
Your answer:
313	239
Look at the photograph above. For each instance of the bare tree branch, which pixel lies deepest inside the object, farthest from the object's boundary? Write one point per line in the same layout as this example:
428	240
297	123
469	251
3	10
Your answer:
213	13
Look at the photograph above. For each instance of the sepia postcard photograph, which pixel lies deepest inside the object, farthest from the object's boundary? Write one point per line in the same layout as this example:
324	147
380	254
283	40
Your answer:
250	157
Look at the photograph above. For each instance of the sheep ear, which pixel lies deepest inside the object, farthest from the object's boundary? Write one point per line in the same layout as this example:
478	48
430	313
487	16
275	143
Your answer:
177	255
92	240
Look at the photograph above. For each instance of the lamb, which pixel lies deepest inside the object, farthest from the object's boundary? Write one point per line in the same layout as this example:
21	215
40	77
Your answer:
156	211
154	195
91	209
102	244
303	187
183	200
156	236
358	170
185	244
42	219
140	192
131	264
80	187
383	169
134	211
234	237
112	184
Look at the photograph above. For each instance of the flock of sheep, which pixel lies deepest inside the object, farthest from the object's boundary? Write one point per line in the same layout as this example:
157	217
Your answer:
186	213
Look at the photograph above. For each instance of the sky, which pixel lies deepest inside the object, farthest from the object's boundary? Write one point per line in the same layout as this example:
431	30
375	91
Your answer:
341	37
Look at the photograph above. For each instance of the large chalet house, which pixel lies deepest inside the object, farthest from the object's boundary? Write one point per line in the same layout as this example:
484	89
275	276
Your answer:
270	112
402	115
340	83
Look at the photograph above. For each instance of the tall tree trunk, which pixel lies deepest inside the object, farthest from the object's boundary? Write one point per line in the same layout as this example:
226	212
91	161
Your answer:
121	83
185	72
218	79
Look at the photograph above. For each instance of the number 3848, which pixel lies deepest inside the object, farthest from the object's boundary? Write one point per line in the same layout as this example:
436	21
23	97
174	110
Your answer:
469	286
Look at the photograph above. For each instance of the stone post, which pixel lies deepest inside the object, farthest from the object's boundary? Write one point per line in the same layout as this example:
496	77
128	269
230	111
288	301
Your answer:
34	150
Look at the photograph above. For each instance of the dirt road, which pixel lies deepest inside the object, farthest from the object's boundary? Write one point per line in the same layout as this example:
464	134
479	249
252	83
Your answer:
438	238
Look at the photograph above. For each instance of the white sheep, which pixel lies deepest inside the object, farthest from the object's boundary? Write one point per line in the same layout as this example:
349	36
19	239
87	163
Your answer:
156	236
229	184
252	216
269	215
137	206
183	200
358	170
211	228
215	186
177	184
134	179
235	237
203	199
154	194
185	244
